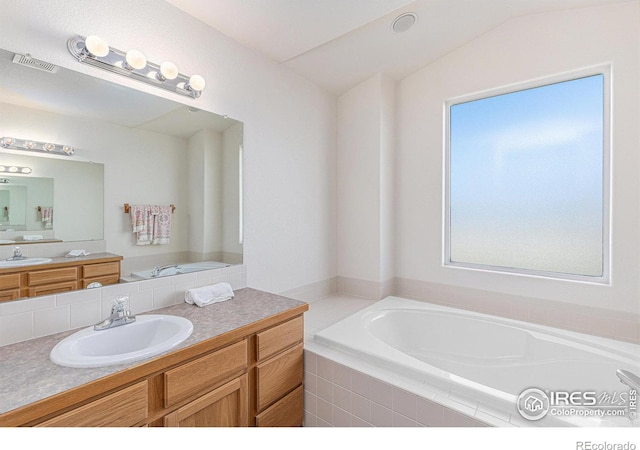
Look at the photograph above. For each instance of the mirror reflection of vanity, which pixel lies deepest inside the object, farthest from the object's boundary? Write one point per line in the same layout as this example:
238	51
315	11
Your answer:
131	147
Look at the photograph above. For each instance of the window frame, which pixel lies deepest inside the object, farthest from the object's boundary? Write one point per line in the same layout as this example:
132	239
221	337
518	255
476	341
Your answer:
604	70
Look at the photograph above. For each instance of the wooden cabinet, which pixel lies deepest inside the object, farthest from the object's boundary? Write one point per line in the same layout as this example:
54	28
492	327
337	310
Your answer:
104	273
226	406
61	275
195	377
279	374
253	378
286	412
51	281
9	287
124	408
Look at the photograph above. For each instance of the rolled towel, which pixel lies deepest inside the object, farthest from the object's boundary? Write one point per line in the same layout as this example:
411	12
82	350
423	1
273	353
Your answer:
207	295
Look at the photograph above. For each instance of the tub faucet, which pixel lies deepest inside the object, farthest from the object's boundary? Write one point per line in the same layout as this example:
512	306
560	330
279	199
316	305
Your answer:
120	315
628	378
157	270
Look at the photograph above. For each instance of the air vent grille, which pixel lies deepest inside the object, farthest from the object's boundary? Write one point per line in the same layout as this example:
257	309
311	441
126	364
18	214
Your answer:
27	60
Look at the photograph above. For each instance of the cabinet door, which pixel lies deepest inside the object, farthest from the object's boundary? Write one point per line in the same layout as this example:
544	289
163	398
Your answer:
226	406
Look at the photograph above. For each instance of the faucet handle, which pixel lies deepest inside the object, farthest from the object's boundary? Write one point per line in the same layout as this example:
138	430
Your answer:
120	303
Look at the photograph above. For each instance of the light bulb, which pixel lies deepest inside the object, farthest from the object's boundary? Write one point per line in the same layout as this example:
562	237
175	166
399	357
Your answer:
168	70
67	150
26	170
196	82
3	169
29	144
48	147
13	169
136	60
96	46
6	141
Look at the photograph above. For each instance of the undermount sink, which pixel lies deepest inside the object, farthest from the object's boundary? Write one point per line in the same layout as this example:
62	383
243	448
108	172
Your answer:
23	262
148	336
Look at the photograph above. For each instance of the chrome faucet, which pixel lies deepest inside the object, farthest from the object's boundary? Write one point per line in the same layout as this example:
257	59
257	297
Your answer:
120	315
157	270
630	379
17	254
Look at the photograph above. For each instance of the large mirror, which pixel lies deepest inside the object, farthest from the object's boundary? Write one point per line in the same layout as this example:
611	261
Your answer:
131	148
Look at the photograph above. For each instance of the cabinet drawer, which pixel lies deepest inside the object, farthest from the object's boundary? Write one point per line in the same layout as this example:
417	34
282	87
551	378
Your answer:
120	409
202	374
10	281
279	375
49	276
54	288
105	280
280	337
99	270
286	412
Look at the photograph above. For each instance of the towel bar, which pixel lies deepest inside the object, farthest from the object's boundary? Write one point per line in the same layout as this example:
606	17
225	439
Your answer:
127	208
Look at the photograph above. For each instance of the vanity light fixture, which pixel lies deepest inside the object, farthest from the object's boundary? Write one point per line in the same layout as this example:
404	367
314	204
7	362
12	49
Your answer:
15	169
95	51
35	146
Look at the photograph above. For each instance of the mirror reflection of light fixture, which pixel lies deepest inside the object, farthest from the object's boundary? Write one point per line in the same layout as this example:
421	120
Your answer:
15	169
133	64
35	146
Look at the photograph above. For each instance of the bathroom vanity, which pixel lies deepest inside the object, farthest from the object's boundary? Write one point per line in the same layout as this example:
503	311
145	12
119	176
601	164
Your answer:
59	275
242	366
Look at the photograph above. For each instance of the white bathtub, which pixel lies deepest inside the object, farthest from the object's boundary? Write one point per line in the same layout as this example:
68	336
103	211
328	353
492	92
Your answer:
488	360
179	269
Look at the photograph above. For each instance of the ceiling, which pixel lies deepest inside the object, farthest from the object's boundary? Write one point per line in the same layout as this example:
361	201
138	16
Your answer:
339	43
50	92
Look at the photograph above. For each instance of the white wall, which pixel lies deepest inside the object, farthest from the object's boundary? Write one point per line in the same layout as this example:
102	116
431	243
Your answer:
366	134
289	122
205	191
232	140
521	50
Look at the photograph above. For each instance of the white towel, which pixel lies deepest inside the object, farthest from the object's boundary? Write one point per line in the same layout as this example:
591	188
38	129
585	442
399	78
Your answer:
207	295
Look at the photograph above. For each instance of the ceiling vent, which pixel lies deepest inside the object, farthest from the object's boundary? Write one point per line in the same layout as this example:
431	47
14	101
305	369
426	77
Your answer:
27	60
404	21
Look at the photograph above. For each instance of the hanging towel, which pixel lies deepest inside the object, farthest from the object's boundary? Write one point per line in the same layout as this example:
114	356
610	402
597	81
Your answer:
46	214
142	223
207	295
151	224
161	224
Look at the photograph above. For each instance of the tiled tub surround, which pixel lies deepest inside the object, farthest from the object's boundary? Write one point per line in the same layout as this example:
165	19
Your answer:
344	388
22	320
340	392
27	375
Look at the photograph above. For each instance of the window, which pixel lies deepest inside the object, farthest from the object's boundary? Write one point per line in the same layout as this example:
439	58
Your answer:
527	180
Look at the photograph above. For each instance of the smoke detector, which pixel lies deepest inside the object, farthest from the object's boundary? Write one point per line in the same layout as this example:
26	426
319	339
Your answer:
404	21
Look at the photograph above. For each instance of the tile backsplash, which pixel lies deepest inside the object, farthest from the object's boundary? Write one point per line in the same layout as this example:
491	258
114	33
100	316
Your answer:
26	319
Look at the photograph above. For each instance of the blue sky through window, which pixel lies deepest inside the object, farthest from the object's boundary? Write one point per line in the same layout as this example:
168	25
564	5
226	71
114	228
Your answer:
526	179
